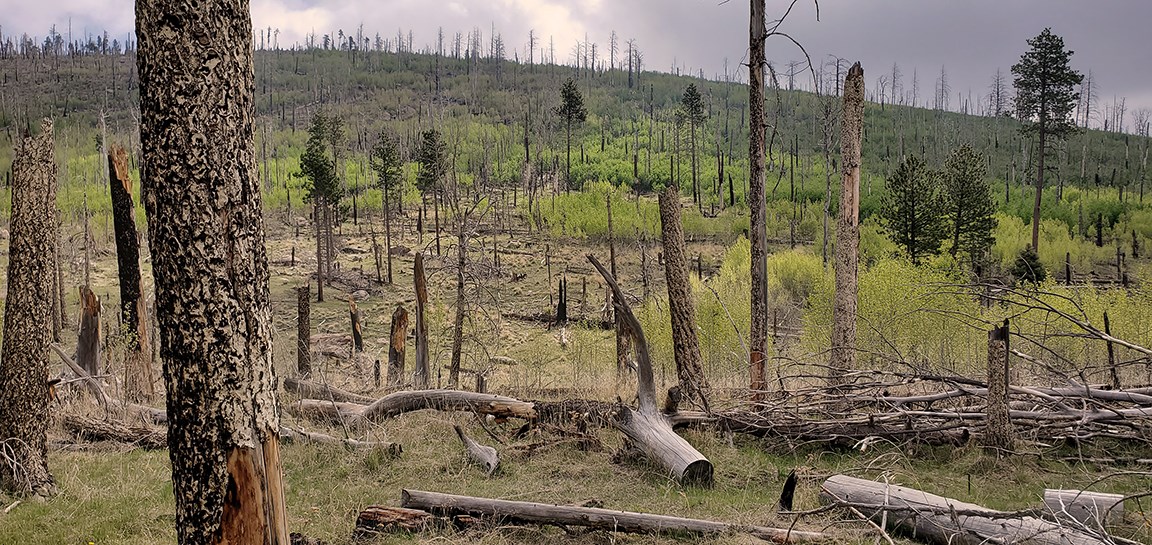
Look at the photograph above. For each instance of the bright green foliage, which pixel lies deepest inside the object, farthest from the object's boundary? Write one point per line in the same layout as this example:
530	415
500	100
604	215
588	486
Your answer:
692	105
1028	268
969	209
573	112
912	209
316	167
432	158
385	161
1045	95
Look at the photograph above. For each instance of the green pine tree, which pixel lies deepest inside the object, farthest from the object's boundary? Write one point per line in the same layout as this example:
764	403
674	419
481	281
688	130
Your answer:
969	210
692	110
912	209
1045	98
431	158
573	112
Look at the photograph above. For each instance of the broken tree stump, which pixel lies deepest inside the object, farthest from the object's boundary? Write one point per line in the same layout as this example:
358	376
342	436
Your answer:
999	425
357	336
303	331
646	426
945	521
481	455
138	378
420	378
396	347
88	345
601	519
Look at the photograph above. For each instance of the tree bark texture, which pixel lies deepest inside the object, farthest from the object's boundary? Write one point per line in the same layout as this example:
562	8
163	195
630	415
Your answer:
357	335
693	383
846	258
88	343
396	347
303	331
139	384
206	231
458	323
24	357
420	378
758	336
999	432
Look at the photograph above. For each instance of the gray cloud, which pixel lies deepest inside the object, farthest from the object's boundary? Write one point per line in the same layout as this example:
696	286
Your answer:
969	39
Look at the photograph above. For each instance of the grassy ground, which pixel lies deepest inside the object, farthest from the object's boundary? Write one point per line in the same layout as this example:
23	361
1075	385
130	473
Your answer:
109	494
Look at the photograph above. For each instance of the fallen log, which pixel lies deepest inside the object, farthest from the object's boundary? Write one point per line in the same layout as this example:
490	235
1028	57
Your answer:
646	426
398	403
288	434
1094	508
837	434
591	517
481	455
945	521
378	519
311	390
96	429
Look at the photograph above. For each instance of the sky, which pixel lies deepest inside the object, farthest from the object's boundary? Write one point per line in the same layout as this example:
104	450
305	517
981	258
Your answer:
968	39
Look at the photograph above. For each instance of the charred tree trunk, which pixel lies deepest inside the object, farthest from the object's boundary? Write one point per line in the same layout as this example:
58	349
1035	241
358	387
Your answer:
24	356
758	336
88	344
396	347
420	379
693	383
458	323
388	230
138	379
303	331
843	354
357	336
213	308
318	222
999	427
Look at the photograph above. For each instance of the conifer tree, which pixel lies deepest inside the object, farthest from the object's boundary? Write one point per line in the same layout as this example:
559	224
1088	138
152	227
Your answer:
385	161
912	209
969	210
692	110
573	112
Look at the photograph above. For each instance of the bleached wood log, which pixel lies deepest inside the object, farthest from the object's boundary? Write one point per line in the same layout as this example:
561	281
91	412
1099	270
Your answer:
481	455
1093	508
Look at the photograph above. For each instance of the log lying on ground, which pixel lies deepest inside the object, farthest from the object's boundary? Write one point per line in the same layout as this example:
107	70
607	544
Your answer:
154	415
945	521
600	519
646	426
288	434
307	389
838	434
96	429
378	519
413	400
481	455
1093	508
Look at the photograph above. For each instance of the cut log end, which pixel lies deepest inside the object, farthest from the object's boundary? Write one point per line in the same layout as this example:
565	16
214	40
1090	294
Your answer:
698	473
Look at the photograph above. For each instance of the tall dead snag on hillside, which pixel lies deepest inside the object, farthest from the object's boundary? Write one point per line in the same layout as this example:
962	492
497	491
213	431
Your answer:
998	433
24	356
843	353
303	331
646	426
458	322
693	383
138	380
420	378
758	336
396	347
206	232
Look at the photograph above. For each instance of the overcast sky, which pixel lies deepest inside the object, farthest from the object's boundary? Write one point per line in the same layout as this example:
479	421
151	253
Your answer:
970	38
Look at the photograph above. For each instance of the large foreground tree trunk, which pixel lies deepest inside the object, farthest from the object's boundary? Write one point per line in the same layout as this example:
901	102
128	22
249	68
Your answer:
758	336
843	353
687	346
206	232
27	309
138	380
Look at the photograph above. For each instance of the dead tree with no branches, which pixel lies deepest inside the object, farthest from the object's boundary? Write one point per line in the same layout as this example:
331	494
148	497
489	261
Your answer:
843	353
138	379
693	383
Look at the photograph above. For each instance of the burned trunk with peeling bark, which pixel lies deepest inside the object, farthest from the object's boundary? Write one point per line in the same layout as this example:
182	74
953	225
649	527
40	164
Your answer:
686	344
843	353
303	331
88	343
420	378
138	379
645	426
998	432
206	232
758	335
24	356
396	347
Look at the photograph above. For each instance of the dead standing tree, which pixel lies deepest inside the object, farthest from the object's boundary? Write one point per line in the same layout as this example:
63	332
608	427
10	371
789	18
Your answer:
138	379
303	331
646	426
843	353
396	347
758	336
420	378
24	357
693	383
213	307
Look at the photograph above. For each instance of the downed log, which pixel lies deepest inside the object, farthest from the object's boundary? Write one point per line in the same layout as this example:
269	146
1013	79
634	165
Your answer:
837	434
288	434
414	400
481	455
591	517
378	519
311	390
646	426
1094	508
96	429
945	521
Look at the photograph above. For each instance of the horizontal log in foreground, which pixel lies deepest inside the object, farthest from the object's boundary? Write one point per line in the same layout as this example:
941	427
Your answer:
601	519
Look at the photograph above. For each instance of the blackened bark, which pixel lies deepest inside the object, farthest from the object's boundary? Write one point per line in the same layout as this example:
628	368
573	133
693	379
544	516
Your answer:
88	344
420	379
758	336
357	335
458	323
24	357
202	196
303	331
396	347
138	379
686	344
